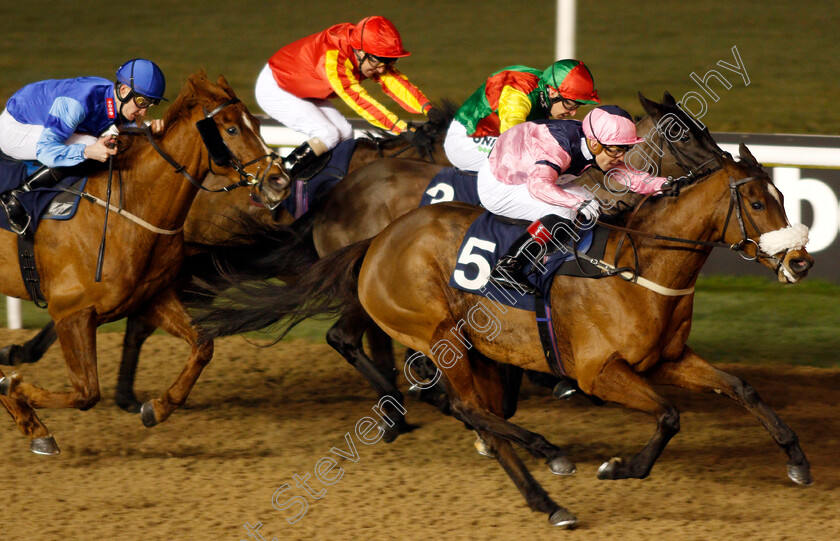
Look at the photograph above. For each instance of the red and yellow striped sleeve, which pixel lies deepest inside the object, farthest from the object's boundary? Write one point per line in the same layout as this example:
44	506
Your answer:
342	79
408	96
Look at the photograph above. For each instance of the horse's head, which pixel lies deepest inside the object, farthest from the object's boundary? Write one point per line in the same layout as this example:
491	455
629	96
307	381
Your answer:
231	136
680	143
757	223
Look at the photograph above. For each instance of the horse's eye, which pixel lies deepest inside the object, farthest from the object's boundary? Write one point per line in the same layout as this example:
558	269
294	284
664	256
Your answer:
757	205
685	138
233	130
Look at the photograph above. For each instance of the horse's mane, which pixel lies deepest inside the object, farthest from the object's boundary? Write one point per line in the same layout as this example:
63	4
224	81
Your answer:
196	86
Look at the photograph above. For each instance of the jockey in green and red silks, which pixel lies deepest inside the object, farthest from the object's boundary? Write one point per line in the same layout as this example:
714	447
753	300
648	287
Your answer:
512	96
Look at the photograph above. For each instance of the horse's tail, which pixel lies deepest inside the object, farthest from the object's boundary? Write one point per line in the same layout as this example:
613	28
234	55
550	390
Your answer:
326	289
263	251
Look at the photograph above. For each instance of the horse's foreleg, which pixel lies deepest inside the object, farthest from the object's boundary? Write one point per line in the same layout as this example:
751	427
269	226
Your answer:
615	381
137	330
77	335
694	373
346	338
167	312
32	350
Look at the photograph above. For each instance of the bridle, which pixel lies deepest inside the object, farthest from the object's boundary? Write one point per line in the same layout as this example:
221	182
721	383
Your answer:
218	152
736	207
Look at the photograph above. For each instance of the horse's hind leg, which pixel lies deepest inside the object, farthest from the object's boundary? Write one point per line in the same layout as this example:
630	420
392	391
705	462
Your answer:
381	352
479	401
32	350
40	439
537	498
694	373
615	381
346	338
167	312
137	330
77	335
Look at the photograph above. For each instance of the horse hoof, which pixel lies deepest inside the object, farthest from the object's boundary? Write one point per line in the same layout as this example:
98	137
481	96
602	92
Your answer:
44	446
129	404
609	469
562	518
562	466
801	475
7	382
147	415
481	447
6	355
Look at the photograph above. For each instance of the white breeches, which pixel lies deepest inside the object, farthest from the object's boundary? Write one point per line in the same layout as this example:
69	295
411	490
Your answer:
465	152
313	117
514	200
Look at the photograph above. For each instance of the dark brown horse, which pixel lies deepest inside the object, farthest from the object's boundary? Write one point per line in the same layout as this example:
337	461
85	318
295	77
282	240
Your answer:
140	264
216	217
615	337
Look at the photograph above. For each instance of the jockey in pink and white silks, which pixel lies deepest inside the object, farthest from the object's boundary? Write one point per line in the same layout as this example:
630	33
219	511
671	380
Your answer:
529	173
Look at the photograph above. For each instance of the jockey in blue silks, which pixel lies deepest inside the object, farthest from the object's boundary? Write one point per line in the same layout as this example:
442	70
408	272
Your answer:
60	123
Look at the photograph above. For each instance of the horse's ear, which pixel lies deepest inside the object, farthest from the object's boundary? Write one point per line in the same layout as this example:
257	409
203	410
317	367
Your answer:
222	82
651	107
746	156
668	99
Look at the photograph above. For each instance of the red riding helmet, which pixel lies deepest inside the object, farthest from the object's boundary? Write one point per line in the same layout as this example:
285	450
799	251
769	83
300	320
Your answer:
377	36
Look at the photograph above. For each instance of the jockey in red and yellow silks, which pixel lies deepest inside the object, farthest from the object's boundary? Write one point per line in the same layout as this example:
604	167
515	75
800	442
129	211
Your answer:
299	79
511	96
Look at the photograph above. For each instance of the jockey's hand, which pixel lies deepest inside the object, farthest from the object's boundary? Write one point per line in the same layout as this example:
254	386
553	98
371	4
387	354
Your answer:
418	137
102	149
156	125
588	212
436	116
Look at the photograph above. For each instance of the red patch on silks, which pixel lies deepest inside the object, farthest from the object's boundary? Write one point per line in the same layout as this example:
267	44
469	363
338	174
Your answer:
539	232
112	112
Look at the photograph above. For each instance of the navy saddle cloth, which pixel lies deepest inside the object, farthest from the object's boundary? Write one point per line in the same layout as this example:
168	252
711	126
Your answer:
40	204
305	192
485	242
451	184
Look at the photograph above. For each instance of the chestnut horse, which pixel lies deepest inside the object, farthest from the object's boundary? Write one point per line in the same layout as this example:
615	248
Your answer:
615	337
140	263
216	217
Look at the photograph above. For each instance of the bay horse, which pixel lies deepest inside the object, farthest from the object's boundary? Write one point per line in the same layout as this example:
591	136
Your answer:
217	217
373	196
207	125
615	337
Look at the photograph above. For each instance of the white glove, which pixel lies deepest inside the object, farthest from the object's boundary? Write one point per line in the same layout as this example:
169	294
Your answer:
588	211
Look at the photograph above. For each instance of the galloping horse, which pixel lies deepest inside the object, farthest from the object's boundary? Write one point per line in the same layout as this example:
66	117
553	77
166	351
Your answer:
158	181
615	337
375	195
216	217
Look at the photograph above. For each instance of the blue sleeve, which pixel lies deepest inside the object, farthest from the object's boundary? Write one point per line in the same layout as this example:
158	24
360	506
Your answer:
65	114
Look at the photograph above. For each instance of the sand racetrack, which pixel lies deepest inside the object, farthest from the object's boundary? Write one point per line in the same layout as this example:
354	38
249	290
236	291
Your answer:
257	417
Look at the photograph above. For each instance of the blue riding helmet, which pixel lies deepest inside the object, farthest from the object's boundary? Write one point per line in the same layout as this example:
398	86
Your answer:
144	77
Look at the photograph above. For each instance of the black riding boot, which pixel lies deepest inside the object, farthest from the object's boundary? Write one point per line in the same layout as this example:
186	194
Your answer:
509	273
44	177
300	160
17	216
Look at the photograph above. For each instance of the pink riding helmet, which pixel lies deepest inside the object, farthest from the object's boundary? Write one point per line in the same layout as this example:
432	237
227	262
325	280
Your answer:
610	125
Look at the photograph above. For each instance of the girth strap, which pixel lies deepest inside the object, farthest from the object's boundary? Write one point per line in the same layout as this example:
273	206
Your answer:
547	339
28	270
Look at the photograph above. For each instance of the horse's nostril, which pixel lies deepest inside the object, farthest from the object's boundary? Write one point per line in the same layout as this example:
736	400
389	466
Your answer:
799	265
